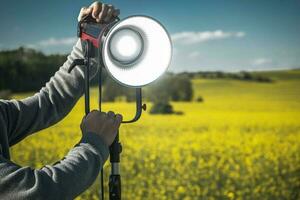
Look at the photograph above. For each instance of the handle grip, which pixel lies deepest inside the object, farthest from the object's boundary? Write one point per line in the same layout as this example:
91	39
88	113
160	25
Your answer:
139	107
75	63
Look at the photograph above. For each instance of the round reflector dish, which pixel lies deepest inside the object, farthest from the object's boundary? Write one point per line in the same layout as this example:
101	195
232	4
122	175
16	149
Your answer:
137	50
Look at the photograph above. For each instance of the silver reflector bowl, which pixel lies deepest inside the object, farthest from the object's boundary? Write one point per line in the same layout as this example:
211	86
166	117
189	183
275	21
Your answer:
136	51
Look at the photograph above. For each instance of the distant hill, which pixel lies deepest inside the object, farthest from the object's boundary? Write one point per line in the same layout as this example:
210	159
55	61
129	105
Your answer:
280	74
242	76
24	70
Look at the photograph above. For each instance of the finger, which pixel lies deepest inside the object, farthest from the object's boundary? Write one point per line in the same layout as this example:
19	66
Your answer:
94	111
87	11
83	12
109	14
102	113
96	9
82	124
119	119
116	12
103	13
91	114
111	114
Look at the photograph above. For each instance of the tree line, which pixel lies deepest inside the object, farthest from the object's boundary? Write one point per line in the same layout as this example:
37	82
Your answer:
26	70
23	70
242	76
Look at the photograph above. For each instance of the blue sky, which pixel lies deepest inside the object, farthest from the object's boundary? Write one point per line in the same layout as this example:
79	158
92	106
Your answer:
207	35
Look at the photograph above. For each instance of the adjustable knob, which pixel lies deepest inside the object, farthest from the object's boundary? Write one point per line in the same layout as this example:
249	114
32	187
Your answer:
144	107
120	148
75	63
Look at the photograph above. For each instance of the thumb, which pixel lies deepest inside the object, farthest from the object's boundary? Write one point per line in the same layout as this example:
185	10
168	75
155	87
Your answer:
82	124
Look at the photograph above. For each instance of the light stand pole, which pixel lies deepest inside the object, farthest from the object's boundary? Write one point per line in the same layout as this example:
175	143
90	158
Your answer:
115	178
115	149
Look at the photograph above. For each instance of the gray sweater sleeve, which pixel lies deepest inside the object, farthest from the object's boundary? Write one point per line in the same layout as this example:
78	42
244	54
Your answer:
50	104
65	179
68	177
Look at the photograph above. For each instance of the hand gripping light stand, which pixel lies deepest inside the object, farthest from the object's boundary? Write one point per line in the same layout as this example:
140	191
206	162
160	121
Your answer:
106	43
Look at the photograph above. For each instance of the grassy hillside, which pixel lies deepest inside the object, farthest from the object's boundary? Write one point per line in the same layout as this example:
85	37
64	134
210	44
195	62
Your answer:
281	75
242	142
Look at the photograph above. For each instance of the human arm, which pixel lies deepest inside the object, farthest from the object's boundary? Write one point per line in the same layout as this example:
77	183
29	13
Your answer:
54	101
69	177
64	180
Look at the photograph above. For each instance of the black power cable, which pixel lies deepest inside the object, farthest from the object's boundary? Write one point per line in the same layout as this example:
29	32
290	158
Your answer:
100	103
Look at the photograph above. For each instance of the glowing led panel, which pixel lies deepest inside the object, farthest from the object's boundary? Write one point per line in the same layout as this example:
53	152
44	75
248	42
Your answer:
137	51
126	45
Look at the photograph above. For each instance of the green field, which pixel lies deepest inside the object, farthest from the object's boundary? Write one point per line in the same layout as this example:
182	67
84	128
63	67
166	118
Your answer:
242	142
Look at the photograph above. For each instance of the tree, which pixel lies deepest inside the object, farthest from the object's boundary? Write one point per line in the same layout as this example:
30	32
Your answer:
181	88
24	70
111	90
161	108
171	87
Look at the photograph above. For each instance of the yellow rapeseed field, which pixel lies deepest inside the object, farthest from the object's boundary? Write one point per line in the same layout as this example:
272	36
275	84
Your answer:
242	142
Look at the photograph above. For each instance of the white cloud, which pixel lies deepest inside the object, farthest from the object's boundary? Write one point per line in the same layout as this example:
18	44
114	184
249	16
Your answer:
262	61
189	37
54	45
240	34
53	42
57	41
194	54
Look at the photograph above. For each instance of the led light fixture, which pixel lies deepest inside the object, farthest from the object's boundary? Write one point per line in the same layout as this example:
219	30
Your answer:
136	51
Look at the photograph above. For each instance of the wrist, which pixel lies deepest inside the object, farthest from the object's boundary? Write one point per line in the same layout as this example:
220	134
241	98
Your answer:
96	141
